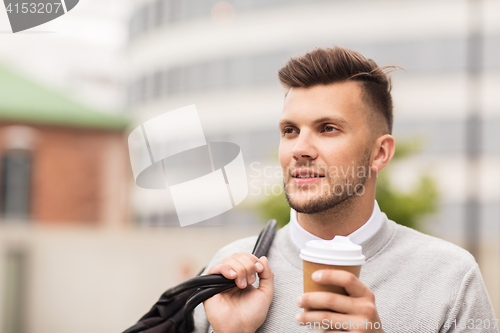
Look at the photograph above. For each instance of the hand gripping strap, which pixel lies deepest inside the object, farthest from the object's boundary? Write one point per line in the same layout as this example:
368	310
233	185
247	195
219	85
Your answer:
260	249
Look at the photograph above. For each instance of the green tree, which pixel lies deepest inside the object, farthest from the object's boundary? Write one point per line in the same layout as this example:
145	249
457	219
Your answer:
275	207
404	207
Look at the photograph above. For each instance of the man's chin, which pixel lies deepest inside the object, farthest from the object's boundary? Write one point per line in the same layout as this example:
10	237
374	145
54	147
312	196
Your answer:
315	204
308	209
305	205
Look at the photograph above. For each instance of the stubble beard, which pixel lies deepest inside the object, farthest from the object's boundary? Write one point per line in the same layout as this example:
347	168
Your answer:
336	193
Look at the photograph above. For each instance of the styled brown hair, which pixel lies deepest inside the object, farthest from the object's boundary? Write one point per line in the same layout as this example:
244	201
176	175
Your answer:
324	66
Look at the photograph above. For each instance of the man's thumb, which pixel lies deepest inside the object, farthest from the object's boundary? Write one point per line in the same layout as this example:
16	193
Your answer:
266	277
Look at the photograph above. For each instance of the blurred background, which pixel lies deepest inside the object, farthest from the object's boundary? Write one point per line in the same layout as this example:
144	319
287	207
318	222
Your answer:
83	249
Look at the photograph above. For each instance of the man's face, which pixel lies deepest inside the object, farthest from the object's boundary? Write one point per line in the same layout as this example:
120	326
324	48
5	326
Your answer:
325	145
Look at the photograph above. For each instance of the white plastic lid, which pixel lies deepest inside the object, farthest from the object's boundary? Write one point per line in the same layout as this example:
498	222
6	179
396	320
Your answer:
339	251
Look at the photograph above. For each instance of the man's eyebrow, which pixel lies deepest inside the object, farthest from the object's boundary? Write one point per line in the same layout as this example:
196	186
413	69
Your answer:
336	120
284	122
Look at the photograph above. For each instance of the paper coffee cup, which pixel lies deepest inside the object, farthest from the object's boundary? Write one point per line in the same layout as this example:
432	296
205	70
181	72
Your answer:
338	254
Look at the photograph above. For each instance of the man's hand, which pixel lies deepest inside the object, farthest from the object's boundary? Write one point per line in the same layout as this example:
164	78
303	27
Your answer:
241	309
353	313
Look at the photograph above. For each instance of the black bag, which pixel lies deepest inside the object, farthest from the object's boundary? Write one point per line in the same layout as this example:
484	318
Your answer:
173	313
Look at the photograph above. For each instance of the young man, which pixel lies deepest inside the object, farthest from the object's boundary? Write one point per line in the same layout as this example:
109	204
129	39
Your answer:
335	137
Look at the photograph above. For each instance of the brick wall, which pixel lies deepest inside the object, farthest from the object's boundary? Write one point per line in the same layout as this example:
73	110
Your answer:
71	181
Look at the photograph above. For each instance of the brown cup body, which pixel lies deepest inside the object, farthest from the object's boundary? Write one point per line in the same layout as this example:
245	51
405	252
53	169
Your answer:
310	267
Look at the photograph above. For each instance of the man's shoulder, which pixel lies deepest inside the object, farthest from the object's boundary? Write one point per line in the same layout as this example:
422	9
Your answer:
432	250
241	245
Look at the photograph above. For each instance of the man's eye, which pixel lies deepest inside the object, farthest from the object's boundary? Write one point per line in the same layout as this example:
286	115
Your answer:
330	128
289	130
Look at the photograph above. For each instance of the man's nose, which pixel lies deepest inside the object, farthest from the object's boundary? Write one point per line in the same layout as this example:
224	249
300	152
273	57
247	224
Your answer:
304	149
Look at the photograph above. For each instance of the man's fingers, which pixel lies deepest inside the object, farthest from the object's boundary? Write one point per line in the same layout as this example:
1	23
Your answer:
232	270
266	277
241	267
326	300
258	265
223	269
348	280
236	266
249	264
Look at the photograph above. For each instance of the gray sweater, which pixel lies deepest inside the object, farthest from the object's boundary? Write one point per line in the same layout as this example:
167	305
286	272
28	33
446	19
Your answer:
421	283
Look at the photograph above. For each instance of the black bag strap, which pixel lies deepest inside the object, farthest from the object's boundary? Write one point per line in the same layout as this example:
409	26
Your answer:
198	289
265	239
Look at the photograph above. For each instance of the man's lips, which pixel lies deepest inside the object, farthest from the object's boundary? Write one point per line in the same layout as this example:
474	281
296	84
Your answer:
306	181
306	176
307	173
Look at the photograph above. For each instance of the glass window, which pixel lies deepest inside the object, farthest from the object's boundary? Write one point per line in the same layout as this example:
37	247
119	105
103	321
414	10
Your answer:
16	184
199	7
183	8
132	27
158	81
165	8
175	10
132	93
264	67
142	20
415	56
158	13
195	77
492	52
177	80
216	74
239	71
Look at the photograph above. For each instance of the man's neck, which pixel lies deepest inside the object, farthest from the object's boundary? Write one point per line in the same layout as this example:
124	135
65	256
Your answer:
342	219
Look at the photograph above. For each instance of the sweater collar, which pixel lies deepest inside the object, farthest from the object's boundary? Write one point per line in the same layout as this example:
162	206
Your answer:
300	236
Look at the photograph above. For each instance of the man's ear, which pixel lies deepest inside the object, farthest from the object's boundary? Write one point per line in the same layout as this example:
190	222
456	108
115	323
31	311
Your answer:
384	149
